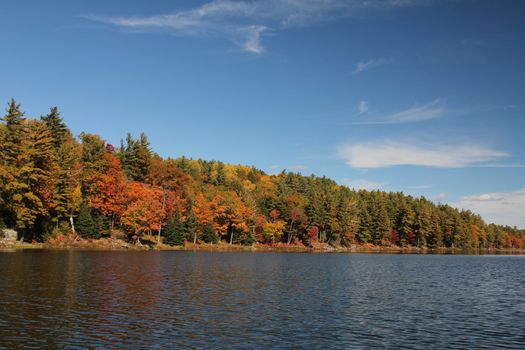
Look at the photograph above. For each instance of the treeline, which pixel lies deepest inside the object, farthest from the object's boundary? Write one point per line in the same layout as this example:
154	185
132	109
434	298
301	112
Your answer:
53	183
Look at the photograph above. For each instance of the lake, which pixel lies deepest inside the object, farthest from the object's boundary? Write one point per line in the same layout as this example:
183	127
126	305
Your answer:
177	299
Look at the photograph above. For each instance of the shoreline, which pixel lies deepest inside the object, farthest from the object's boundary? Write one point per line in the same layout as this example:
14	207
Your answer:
117	245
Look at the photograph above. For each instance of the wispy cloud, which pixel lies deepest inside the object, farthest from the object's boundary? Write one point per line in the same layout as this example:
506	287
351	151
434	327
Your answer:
362	184
373	63
362	107
504	208
297	167
389	153
417	113
244	22
440	197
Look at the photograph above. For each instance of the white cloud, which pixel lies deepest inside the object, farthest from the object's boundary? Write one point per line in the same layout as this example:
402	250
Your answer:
417	113
373	63
362	107
414	114
252	38
242	22
297	167
505	208
388	153
440	197
362	184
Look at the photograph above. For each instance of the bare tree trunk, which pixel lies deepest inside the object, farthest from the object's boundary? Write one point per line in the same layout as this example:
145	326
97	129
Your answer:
72	224
290	233
194	236
231	236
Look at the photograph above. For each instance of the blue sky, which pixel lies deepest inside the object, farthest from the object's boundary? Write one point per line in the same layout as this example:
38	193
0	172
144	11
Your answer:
424	97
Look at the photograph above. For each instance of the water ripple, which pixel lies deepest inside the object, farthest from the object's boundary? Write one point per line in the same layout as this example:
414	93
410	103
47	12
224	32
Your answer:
158	300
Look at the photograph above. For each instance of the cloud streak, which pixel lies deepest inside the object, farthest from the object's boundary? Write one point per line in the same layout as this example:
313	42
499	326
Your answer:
245	22
388	153
505	208
417	113
362	107
370	64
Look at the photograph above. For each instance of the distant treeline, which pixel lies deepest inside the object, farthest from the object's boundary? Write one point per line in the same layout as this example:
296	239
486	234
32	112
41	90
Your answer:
52	183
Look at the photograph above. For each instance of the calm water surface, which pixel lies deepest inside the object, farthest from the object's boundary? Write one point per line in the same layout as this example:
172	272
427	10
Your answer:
81	299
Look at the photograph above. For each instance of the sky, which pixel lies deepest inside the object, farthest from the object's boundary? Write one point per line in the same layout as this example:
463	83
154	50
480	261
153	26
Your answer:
423	97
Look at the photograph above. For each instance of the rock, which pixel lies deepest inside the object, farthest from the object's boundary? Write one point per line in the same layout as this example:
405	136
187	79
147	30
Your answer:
9	234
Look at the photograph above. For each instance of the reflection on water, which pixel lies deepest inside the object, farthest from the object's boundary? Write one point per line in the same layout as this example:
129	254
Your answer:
80	299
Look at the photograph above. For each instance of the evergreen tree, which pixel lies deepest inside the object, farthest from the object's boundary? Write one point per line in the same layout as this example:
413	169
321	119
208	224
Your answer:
101	225
190	226
208	234
93	148
405	224
364	233
85	224
136	157
175	232
56	125
27	178
381	226
244	238
11	143
220	177
66	192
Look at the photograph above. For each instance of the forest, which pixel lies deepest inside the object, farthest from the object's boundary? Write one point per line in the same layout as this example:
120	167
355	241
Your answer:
54	184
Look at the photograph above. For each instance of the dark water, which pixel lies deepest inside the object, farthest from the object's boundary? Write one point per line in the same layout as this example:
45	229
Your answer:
76	299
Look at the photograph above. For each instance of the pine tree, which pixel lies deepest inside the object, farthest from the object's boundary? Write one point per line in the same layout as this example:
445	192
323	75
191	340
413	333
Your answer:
381	226
85	224
175	232
220	177
405	224
136	157
208	234
364	233
27	178
190	226
11	145
66	191
56	125
101	225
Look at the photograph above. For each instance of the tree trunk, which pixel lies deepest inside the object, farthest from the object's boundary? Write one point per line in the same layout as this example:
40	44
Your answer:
290	233
72	224
194	236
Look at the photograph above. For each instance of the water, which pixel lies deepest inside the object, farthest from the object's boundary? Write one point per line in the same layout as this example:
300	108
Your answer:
81	299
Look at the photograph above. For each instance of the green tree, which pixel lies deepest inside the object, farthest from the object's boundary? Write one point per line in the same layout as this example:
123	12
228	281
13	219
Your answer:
175	232
11	145
190	226
136	157
208	234
85	224
380	225
220	177
101	225
56	125
364	233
